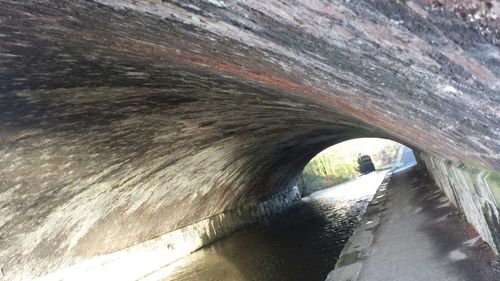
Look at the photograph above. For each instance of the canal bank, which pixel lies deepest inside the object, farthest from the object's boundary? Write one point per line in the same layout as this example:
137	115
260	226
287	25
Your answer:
411	231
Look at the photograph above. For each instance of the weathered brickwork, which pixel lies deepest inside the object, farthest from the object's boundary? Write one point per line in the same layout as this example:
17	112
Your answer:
121	121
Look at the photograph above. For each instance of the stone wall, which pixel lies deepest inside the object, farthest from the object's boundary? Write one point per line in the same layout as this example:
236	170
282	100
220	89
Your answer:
146	257
474	191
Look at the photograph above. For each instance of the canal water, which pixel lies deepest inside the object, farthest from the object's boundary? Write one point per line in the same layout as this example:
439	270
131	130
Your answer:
302	243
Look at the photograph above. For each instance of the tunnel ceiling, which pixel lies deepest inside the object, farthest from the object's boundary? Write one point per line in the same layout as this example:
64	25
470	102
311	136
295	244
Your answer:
116	113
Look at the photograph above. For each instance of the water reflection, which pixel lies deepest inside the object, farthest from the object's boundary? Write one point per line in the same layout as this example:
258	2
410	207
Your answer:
302	243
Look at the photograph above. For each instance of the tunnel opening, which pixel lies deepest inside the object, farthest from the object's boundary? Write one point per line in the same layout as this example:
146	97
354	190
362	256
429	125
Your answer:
352	158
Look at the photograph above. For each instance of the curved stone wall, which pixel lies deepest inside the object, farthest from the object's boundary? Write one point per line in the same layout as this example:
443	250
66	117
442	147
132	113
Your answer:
475	192
121	121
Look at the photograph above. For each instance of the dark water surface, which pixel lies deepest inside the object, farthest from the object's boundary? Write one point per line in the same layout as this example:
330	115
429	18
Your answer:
302	243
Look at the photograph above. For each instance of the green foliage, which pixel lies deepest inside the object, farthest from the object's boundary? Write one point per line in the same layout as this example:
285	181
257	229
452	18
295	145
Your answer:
339	163
331	164
327	169
312	183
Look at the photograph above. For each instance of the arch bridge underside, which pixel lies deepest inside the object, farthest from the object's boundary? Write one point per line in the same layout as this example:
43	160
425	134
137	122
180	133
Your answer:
155	127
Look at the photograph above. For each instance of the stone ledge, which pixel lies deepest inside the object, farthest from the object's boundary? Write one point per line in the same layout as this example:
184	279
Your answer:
349	263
